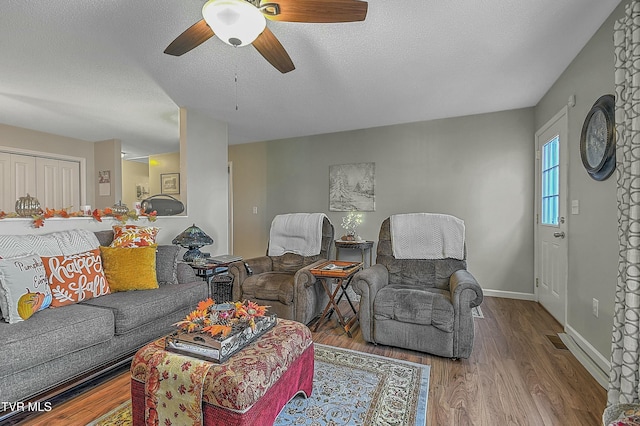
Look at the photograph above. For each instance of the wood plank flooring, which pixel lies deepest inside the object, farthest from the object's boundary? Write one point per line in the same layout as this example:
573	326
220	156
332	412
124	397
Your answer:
515	376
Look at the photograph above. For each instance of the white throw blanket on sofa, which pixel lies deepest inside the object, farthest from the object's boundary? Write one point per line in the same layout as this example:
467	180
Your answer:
427	236
299	233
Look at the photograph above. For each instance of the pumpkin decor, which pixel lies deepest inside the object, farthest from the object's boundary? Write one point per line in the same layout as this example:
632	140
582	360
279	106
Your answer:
29	303
28	206
119	209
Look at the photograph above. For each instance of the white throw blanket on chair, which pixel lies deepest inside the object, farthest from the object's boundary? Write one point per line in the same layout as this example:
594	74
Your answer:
299	233
427	236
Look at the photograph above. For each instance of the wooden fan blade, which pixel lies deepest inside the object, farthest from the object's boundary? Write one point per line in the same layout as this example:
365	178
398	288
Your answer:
271	48
317	11
193	37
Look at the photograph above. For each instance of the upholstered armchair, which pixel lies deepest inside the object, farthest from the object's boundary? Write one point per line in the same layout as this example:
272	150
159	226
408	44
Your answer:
282	279
422	304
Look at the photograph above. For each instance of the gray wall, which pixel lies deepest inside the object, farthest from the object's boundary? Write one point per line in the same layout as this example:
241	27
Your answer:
592	235
478	168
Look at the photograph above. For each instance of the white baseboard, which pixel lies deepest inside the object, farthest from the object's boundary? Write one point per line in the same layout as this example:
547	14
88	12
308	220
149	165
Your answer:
597	365
509	294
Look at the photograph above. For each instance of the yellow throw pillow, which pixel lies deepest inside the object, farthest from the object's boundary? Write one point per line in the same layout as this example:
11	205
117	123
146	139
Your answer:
130	268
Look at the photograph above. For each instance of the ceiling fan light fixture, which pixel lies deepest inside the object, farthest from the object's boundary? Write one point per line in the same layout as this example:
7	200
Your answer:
235	22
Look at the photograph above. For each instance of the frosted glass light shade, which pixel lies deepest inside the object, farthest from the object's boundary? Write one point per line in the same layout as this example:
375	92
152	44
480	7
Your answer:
235	22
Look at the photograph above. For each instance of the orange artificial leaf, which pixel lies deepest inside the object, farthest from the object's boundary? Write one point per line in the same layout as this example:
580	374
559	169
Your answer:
48	213
204	304
108	211
63	213
181	324
254	309
96	215
216	329
196	315
38	222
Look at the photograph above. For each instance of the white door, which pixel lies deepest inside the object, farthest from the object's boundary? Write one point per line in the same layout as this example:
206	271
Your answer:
7	202
48	183
23	176
69	172
551	234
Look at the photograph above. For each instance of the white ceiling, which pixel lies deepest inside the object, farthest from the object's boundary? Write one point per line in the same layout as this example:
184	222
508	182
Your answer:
96	70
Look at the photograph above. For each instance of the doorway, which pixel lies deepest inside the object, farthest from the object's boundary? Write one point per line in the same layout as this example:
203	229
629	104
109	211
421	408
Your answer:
551	227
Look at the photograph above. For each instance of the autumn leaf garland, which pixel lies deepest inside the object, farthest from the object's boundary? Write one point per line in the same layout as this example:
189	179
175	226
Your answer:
38	219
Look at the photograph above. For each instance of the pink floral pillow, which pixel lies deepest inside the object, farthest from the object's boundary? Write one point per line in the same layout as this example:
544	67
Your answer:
131	236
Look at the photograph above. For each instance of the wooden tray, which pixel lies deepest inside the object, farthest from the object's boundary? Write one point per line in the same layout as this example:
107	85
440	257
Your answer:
217	350
344	269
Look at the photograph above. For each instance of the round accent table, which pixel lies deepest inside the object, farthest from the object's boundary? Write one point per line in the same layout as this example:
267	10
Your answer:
363	246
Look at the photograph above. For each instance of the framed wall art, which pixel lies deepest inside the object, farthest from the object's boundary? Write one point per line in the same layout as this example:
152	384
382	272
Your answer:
352	187
170	183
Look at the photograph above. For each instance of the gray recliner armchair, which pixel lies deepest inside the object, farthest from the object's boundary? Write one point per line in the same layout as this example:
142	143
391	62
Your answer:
418	304
284	282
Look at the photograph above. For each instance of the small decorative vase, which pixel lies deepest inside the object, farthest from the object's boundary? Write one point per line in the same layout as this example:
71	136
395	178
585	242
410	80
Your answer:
28	206
351	236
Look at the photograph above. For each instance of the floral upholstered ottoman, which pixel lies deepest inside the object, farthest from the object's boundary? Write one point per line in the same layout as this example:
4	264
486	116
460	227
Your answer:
250	388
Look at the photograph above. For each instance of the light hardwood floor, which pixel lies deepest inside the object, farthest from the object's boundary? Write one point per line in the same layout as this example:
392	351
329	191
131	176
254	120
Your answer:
515	376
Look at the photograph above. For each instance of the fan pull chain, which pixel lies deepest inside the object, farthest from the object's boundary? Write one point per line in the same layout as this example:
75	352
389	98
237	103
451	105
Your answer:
235	76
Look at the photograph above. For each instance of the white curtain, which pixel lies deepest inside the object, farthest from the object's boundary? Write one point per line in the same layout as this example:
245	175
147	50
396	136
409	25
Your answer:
624	383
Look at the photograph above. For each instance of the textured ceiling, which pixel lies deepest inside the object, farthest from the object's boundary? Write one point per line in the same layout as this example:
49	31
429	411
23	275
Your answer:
95	70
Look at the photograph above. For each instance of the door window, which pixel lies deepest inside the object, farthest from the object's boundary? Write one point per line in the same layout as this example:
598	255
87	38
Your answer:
551	181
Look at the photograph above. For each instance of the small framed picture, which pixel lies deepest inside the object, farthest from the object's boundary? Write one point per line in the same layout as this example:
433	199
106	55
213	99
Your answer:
170	183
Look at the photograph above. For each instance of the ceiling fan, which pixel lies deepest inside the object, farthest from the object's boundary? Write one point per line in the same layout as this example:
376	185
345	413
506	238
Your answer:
242	22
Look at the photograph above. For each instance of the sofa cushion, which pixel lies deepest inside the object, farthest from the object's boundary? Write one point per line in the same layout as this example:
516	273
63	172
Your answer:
76	277
134	236
24	288
52	333
130	268
75	241
52	244
167	264
269	286
20	245
105	238
416	306
133	309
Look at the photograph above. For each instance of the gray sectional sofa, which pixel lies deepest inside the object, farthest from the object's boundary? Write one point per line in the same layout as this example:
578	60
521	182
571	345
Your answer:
58	345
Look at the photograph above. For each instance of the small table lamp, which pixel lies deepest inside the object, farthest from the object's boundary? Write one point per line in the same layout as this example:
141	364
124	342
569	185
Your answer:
192	239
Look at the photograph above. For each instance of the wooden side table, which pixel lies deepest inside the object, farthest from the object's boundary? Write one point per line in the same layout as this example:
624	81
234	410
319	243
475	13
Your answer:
342	273
363	246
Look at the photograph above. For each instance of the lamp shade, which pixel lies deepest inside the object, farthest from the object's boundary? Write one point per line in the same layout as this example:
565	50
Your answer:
235	22
192	239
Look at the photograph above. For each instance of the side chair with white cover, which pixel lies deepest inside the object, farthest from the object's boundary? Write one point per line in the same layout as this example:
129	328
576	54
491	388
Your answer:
419	294
282	279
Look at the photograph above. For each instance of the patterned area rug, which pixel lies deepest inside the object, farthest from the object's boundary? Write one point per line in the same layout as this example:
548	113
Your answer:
349	388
